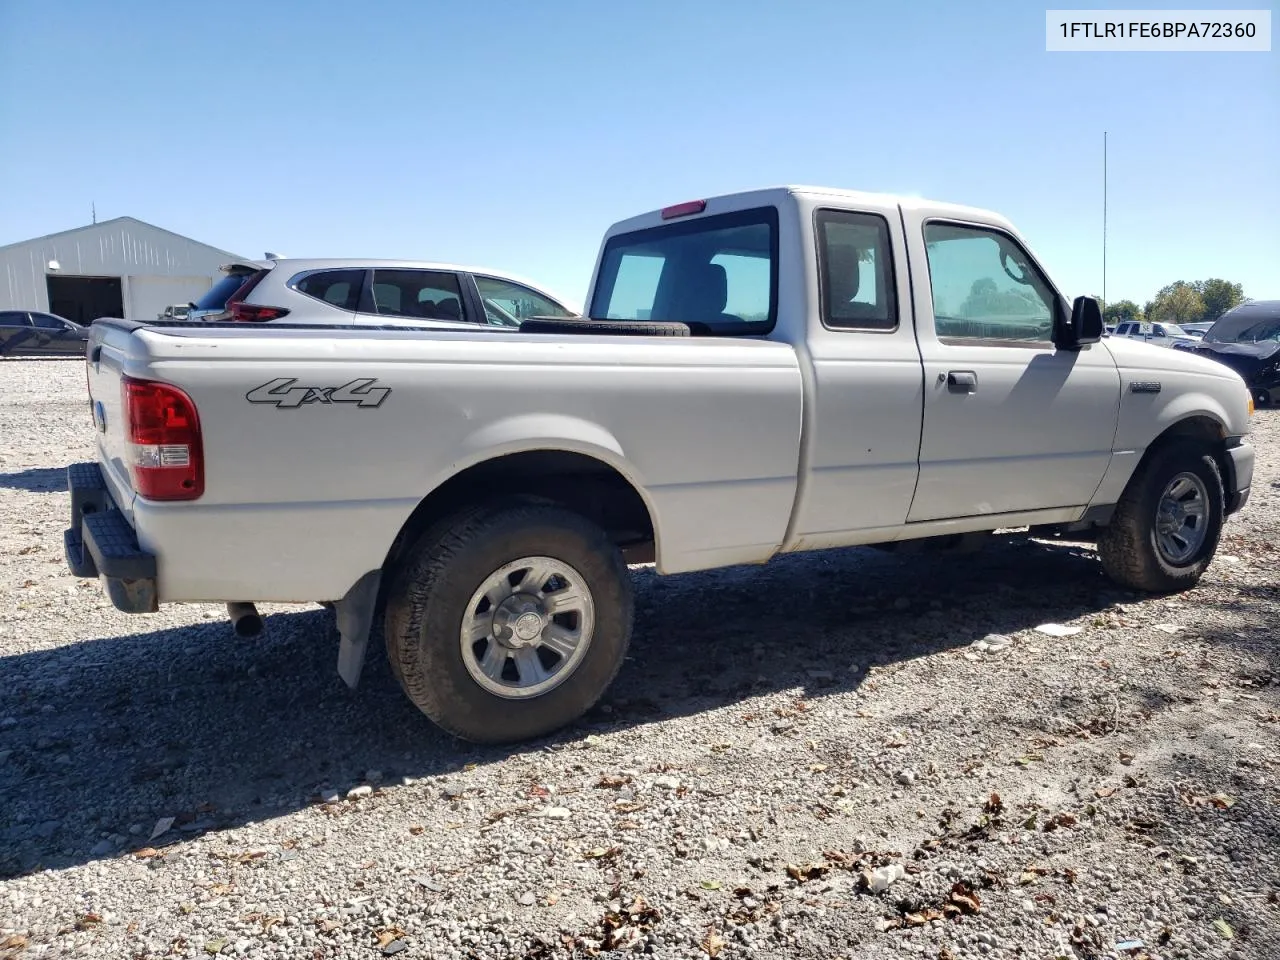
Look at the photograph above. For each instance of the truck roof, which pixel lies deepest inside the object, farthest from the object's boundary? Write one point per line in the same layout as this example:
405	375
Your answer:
775	195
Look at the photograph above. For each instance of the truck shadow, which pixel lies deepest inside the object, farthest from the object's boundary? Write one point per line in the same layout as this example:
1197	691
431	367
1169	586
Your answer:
106	735
36	479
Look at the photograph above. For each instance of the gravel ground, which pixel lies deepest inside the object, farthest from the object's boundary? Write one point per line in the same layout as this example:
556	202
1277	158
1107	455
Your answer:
812	759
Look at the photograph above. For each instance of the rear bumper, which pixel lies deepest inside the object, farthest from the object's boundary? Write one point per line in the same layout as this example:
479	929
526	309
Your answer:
1239	472
100	543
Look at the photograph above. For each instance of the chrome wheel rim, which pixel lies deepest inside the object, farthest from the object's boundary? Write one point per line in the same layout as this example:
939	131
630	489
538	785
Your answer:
527	627
1182	518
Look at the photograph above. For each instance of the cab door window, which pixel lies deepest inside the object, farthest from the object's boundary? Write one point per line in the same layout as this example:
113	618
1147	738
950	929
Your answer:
986	288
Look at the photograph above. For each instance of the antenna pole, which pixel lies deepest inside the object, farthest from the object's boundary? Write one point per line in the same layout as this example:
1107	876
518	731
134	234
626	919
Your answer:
94	207
1104	218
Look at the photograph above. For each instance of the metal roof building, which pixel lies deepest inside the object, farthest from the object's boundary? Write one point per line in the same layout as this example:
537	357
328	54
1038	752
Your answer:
118	268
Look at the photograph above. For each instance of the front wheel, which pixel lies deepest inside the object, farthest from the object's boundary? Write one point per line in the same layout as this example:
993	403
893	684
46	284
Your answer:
509	622
1166	526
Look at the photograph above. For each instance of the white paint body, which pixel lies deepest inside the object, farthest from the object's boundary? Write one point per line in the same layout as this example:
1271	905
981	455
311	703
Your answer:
741	449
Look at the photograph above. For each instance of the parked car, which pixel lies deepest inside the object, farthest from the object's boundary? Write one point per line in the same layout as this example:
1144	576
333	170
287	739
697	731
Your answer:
26	333
1247	339
1160	334
373	293
1197	329
177	311
759	374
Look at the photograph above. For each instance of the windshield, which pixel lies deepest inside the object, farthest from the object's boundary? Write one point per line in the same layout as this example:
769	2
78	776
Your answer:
1173	330
1246	326
718	274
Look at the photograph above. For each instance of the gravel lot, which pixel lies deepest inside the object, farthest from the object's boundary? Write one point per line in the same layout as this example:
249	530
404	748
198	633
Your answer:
783	743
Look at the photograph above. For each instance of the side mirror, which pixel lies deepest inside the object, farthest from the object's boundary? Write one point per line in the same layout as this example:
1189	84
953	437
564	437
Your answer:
1084	326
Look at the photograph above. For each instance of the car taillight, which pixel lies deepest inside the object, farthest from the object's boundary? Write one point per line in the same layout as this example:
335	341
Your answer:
166	454
242	312
252	313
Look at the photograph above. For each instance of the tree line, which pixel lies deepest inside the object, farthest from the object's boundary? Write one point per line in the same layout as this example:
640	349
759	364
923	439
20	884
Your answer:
1180	302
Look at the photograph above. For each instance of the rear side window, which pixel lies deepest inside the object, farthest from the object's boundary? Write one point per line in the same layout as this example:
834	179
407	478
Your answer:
14	318
855	269
422	294
341	288
719	274
507	303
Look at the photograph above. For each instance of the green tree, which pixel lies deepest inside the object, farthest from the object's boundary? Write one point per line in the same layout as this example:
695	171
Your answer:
1219	296
1121	311
1179	302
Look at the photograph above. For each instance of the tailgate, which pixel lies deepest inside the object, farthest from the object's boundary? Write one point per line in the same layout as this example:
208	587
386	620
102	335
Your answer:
105	357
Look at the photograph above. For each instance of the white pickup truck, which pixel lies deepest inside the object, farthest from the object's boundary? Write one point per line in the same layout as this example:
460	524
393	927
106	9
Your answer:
767	372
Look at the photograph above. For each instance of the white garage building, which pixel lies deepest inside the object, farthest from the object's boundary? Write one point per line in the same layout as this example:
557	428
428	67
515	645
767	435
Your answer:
117	268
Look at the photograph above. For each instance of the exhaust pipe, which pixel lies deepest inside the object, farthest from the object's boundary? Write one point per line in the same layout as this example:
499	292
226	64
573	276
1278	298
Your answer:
245	619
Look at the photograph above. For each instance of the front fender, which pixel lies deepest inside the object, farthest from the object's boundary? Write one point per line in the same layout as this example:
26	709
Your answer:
1145	416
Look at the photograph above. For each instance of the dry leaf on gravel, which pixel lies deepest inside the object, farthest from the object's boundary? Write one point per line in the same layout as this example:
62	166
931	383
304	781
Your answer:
622	929
801	872
712	944
963	899
389	934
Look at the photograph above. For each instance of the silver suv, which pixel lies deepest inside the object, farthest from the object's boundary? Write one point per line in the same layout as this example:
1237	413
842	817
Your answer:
373	293
1160	334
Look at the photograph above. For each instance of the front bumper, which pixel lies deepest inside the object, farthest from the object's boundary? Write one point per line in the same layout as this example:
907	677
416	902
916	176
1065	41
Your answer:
1239	474
100	543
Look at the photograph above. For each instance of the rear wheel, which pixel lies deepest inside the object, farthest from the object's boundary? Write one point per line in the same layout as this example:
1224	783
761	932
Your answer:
1166	526
509	622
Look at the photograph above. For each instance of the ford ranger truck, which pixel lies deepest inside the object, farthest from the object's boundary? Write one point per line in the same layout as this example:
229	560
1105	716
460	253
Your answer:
756	374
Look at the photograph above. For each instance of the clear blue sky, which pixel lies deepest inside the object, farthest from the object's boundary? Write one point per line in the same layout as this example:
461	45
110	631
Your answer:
511	134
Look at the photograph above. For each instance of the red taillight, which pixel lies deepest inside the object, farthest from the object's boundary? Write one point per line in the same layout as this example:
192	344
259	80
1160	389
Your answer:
242	312
166	454
252	313
683	209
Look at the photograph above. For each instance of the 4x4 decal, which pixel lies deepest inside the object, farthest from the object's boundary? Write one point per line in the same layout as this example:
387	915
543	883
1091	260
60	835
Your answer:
282	393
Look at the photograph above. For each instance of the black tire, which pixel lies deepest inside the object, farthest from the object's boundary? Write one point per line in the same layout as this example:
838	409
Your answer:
617	328
1129	546
430	595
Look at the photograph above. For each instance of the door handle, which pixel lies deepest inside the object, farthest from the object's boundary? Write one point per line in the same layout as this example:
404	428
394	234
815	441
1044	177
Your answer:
962	381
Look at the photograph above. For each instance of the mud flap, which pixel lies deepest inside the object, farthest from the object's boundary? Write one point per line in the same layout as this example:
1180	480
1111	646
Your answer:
355	622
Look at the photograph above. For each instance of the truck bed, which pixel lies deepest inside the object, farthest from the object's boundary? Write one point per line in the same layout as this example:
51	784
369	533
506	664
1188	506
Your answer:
306	486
